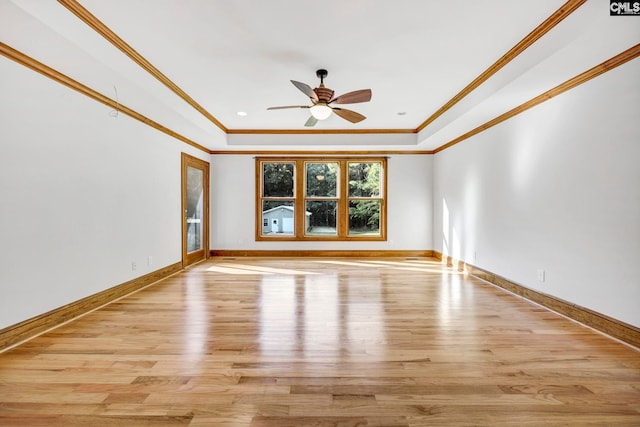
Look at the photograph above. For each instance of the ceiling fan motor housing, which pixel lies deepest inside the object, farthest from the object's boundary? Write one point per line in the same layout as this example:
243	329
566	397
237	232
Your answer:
324	94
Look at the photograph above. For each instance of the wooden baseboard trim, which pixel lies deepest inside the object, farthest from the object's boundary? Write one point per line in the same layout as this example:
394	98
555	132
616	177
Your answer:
603	323
320	253
30	328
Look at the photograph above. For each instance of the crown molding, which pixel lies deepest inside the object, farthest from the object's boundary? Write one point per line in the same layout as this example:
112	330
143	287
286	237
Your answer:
320	153
317	131
57	76
85	16
565	10
599	69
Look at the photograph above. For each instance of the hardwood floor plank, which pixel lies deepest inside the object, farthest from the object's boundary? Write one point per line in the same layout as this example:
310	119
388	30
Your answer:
95	421
329	422
320	342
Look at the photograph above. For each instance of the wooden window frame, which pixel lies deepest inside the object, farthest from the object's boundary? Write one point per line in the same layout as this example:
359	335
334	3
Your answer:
342	222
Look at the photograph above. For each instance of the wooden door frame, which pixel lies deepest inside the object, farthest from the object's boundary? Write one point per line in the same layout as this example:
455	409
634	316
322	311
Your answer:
186	161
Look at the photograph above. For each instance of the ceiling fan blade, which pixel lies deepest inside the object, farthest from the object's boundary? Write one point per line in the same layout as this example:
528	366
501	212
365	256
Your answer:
306	89
311	121
349	115
363	95
288	106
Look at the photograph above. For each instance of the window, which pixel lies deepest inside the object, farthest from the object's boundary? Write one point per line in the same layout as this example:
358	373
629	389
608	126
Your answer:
321	199
365	198
277	198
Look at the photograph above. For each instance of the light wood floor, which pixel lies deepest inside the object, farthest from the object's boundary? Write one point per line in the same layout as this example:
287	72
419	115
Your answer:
320	342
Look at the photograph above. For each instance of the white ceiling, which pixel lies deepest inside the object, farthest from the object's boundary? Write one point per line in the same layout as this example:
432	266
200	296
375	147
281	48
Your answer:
231	56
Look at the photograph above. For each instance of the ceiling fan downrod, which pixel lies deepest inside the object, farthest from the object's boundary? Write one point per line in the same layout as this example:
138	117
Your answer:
322	73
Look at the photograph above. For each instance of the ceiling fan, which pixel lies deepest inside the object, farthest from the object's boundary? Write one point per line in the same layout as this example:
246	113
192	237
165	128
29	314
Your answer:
322	98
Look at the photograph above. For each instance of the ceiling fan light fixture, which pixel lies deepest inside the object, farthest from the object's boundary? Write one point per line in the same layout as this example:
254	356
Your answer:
320	111
322	98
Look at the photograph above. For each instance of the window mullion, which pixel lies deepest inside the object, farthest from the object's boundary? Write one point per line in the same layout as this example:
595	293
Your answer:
343	200
299	207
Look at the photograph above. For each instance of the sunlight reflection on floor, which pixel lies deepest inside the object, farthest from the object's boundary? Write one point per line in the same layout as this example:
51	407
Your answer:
407	265
413	265
254	269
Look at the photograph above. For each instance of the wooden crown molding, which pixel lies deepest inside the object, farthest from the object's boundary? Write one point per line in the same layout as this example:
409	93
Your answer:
57	76
560	14
608	65
74	7
61	78
83	14
565	10
320	153
317	131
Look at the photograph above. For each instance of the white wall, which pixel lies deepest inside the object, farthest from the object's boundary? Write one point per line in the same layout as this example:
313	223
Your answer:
409	207
82	195
556	188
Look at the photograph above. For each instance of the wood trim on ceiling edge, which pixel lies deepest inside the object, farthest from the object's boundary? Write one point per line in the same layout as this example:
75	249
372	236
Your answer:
559	15
564	11
581	78
57	76
65	80
318	131
607	325
30	328
322	253
319	152
98	26
92	21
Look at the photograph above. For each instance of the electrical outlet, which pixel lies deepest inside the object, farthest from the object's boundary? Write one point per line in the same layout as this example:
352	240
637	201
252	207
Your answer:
541	275
133	266
149	260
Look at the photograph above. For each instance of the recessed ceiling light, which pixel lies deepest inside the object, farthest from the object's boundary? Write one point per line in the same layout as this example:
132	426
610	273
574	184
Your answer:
241	113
